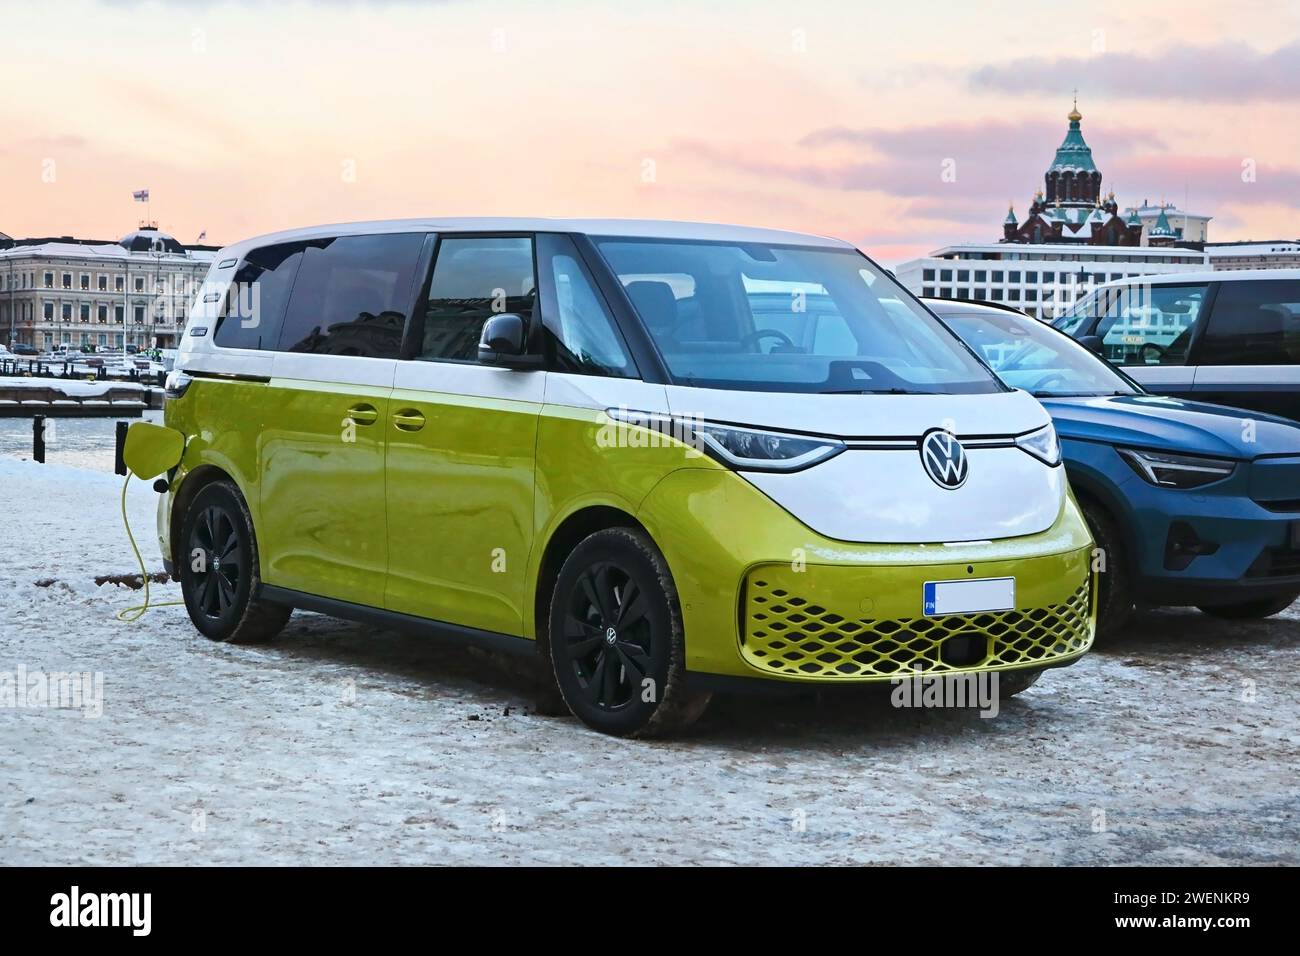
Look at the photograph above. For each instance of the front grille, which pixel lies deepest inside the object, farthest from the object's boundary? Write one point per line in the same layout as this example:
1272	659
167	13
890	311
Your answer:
1275	563
1281	506
787	634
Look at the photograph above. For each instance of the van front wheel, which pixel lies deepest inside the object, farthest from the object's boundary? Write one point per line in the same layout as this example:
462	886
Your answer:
220	575
1011	683
616	638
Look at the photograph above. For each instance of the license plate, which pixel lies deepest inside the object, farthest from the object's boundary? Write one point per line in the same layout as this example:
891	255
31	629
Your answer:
969	596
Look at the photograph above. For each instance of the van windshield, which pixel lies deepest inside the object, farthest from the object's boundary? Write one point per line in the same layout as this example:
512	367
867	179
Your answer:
788	319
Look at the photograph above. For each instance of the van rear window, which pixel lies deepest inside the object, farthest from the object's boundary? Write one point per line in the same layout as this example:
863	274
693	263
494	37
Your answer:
348	295
352	295
254	307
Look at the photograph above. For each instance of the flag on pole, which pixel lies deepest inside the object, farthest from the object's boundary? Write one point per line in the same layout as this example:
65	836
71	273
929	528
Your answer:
141	195
203	235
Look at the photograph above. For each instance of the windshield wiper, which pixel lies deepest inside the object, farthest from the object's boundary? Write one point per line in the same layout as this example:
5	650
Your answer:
875	391
1046	394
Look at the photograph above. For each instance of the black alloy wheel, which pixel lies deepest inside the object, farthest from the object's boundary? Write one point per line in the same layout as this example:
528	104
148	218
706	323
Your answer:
219	570
616	639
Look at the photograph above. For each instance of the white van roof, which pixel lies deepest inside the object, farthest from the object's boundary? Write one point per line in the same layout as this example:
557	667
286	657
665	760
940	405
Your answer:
633	228
1220	275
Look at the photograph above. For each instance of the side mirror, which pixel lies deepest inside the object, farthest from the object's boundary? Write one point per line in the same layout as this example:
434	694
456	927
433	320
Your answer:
1092	343
503	341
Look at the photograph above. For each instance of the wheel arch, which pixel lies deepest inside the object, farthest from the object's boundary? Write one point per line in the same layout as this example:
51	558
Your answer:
566	536
1088	489
195	481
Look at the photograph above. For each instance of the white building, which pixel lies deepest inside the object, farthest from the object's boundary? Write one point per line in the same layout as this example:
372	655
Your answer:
1187	226
98	295
1270	254
1039	279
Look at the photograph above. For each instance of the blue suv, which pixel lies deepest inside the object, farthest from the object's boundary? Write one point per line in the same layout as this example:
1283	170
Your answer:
1191	504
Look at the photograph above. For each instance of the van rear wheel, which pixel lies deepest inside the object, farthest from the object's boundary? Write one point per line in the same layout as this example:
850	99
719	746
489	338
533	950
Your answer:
220	574
616	639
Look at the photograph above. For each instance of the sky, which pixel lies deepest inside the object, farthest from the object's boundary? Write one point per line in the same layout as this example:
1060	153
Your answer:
901	127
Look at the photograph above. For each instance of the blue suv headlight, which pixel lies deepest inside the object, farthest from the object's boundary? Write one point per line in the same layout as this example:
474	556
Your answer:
1177	471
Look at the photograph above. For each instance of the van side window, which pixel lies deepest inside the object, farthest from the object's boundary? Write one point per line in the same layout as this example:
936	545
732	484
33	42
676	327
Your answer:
352	295
1073	322
1254	323
1151	324
580	335
472	280
254	305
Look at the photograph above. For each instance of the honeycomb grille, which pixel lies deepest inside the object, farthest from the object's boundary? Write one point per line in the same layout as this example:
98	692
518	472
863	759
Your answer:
786	634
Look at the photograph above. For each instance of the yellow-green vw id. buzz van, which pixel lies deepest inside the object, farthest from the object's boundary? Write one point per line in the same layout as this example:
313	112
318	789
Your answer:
664	456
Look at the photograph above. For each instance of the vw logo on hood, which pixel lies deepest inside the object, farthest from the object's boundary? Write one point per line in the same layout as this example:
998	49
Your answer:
944	459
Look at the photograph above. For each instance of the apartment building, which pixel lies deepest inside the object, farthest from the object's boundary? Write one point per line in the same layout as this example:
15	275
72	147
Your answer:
98	295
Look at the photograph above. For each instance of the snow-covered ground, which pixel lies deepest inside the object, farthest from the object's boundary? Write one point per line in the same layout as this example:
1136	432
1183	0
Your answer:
1179	744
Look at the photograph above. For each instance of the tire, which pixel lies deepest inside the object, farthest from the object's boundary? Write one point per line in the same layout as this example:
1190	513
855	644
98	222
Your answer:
615	623
1114	584
1263	607
220	575
1011	683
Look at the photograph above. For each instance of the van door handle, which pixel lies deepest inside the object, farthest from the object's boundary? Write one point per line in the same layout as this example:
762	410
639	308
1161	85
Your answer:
409	420
363	414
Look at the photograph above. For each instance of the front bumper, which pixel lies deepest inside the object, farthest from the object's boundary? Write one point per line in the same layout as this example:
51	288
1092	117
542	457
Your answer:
826	634
763	596
1197	549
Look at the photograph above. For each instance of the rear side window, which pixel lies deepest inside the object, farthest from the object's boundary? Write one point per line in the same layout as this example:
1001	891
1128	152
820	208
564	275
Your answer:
1254	323
473	279
254	307
352	295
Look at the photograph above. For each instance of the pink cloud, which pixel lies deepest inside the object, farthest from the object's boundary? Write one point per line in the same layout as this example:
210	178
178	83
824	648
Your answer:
1223	72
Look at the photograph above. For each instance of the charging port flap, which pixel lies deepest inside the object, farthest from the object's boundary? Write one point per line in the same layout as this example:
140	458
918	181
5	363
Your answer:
152	449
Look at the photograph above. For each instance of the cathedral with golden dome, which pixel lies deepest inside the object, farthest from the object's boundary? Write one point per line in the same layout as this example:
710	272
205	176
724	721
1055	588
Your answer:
1071	209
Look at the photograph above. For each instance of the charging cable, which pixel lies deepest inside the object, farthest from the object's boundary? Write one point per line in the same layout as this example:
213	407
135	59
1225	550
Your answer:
133	614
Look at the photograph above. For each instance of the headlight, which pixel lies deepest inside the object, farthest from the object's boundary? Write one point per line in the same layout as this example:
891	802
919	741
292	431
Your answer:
176	384
745	449
1177	471
1042	444
754	449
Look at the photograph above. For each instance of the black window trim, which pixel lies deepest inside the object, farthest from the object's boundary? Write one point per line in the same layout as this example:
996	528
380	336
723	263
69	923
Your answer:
1202	323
